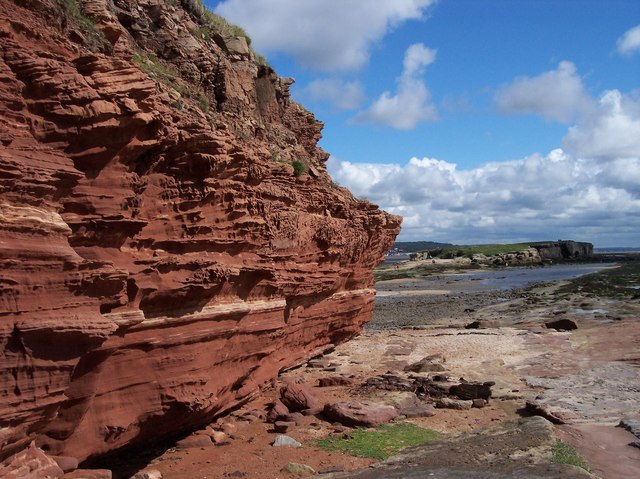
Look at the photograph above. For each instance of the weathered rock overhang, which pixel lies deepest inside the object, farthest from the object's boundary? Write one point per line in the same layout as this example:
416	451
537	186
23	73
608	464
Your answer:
161	253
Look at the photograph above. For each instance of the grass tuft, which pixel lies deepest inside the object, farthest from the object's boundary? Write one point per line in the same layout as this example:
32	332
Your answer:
382	443
563	453
299	167
94	37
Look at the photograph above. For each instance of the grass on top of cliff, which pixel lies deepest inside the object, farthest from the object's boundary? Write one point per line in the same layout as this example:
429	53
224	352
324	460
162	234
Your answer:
213	21
379	443
485	249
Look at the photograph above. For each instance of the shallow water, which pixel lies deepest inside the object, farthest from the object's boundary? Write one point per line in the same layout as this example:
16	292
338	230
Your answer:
490	280
515	278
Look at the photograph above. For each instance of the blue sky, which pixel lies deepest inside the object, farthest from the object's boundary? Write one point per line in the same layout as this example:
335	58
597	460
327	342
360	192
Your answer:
477	120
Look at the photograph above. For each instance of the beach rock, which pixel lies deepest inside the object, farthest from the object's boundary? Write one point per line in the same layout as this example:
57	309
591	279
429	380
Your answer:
147	473
311	411
408	404
283	426
545	411
277	411
194	442
301	470
483	324
479	403
295	417
218	437
298	397
562	325
430	364
436	387
359	414
228	428
447	403
418	410
285	441
89	474
318	363
335	381
330	470
631	425
66	463
389	382
159	259
470	391
31	463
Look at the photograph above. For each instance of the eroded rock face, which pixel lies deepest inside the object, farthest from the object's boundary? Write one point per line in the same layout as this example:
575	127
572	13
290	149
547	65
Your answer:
159	258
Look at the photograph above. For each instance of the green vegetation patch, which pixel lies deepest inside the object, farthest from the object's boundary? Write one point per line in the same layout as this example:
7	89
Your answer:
487	250
299	167
213	22
563	453
381	443
150	64
622	282
95	38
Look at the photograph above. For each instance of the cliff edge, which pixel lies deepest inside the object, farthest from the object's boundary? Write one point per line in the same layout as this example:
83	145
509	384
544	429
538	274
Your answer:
169	236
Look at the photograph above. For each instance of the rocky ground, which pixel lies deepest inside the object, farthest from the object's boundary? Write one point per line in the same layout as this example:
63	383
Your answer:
583	381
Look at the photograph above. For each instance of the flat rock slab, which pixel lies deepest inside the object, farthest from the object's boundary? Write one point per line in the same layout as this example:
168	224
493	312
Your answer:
360	414
604	393
606	447
521	449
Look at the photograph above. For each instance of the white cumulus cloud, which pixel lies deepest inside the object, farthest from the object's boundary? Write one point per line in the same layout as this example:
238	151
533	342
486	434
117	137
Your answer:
322	34
411	104
343	95
557	95
534	198
612	131
629	43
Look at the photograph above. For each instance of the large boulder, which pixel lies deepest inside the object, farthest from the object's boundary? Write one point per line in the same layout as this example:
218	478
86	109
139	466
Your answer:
298	397
31	463
359	414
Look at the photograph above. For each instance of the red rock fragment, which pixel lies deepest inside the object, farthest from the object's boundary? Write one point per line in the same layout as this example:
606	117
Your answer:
298	397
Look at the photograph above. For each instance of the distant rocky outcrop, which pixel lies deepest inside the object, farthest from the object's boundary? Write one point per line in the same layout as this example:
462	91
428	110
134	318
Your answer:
564	250
533	253
169	236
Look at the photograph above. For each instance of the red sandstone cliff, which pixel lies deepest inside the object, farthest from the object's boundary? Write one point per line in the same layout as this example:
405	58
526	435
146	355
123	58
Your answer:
159	257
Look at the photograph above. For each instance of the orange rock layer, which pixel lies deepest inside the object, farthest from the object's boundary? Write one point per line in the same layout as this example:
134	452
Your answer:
159	257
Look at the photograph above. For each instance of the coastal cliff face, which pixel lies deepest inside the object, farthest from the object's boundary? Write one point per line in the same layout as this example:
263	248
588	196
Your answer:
565	250
162	254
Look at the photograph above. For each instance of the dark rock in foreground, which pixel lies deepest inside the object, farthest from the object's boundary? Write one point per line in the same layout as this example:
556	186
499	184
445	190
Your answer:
562	325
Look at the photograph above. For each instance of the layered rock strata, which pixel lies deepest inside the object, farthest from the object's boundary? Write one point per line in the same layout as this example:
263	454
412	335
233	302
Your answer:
169	236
